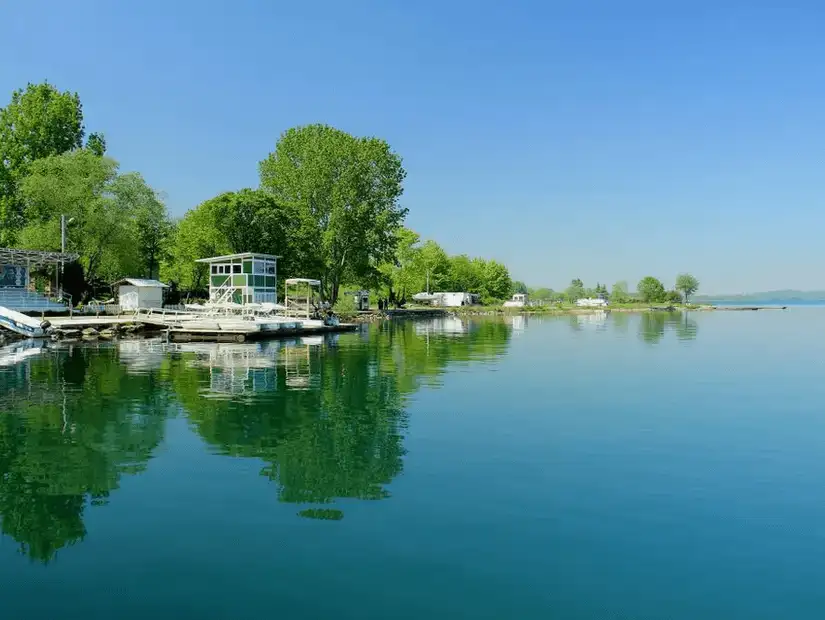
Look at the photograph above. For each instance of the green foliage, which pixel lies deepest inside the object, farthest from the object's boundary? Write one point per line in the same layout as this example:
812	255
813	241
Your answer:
39	122
79	185
575	290
346	191
406	275
619	294
231	223
96	144
435	262
673	297
687	285
520	287
150	224
651	290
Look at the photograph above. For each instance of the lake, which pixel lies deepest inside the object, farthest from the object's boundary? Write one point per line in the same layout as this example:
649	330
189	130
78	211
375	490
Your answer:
622	466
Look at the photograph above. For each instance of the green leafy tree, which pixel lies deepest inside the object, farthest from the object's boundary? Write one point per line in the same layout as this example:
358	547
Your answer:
651	290
687	285
435	264
406	274
346	191
520	288
40	121
575	290
619	294
79	185
96	143
195	236
150	223
234	222
465	274
496	284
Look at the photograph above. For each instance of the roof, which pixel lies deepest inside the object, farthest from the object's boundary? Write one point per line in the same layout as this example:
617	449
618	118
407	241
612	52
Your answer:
34	258
140	283
309	281
223	259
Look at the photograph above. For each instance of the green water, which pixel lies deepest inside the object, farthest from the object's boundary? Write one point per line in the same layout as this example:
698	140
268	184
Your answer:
625	466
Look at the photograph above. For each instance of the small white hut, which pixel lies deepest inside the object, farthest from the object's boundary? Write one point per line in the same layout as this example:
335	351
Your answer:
134	293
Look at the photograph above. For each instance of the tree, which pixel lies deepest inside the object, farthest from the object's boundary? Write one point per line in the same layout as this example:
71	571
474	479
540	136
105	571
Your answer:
435	264
405	275
119	225
575	290
496	284
520	287
96	143
651	290
687	285
150	222
346	191
465	274
235	222
39	122
673	297
619	294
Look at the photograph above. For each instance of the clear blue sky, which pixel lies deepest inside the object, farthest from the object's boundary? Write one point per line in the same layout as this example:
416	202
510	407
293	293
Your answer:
601	140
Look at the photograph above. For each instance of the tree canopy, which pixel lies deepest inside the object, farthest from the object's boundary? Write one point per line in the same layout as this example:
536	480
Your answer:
345	190
651	290
687	285
40	121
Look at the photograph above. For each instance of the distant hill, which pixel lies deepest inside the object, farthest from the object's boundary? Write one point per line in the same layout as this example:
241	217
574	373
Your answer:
785	295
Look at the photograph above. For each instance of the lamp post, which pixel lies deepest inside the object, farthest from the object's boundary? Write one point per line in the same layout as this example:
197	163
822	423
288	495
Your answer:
63	224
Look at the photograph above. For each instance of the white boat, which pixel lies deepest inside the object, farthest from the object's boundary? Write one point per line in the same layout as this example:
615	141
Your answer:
519	300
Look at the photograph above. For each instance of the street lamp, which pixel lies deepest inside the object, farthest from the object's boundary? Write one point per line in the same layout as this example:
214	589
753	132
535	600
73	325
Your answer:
63	223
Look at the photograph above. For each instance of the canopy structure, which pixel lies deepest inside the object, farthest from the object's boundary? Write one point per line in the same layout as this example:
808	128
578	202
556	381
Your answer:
34	258
301	297
234	257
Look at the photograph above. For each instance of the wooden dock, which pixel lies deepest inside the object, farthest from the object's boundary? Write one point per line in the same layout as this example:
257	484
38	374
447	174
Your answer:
229	330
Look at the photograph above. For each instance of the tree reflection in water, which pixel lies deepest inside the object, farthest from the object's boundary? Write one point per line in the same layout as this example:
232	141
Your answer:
327	418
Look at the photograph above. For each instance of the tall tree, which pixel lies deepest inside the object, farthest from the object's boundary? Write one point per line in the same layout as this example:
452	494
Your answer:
575	290
405	275
86	189
235	222
435	264
650	290
40	121
465	274
496	284
150	222
687	285
619	294
346	190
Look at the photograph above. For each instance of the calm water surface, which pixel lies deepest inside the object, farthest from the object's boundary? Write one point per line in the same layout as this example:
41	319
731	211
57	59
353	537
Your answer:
636	467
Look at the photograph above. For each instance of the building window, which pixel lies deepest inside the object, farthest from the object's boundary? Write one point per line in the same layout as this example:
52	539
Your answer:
236	269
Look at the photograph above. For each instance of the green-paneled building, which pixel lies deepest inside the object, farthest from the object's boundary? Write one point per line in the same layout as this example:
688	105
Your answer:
252	278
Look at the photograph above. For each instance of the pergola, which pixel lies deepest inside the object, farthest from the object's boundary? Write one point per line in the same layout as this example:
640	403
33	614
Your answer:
301	296
34	258
16	265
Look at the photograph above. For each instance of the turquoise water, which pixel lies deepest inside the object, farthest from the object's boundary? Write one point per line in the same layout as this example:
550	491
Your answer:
592	467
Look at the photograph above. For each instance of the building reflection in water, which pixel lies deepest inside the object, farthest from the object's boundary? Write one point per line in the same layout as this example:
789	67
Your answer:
326	416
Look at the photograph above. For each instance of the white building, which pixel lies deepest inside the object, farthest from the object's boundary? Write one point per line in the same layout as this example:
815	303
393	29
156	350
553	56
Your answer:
454	300
519	300
134	293
589	302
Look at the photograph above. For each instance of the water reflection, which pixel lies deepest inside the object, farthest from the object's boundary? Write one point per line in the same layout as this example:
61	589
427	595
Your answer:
653	325
326	416
71	426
